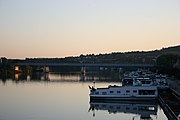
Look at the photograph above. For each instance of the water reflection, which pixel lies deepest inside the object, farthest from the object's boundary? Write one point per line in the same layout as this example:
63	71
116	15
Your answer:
3	79
32	77
56	76
16	76
143	109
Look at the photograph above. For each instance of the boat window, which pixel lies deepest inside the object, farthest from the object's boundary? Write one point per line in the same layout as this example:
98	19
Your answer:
127	91
146	92
134	91
111	107
103	105
143	82
96	93
148	82
104	93
118	91
111	91
96	105
118	107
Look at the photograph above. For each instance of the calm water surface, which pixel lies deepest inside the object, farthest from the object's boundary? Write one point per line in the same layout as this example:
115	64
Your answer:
65	97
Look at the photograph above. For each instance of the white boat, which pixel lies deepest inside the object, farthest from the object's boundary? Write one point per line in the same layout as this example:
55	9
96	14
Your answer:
146	78
138	81
124	93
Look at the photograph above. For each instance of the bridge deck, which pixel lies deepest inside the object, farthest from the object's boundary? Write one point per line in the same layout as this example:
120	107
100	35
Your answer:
84	64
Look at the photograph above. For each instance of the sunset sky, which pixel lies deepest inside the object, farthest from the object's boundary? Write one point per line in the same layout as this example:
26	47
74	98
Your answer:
59	28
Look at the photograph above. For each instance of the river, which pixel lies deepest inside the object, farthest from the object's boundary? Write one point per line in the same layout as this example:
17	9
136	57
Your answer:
66	97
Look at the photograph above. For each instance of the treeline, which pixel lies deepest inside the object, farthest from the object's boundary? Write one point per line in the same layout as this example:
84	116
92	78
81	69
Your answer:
5	67
169	64
148	57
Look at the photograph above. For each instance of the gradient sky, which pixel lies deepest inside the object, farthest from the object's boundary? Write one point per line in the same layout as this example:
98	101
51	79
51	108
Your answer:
59	28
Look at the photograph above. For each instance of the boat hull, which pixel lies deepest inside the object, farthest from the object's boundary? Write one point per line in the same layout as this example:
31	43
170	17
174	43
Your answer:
110	98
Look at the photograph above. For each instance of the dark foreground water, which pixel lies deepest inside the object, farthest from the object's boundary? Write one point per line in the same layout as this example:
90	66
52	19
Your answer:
66	97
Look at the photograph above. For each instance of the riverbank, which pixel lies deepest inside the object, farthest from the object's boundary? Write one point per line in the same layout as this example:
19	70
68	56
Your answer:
174	84
169	100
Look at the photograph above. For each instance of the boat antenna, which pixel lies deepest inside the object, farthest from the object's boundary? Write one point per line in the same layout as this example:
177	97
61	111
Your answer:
94	84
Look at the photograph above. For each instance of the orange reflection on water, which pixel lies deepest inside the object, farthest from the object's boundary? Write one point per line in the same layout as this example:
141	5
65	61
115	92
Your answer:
47	76
16	76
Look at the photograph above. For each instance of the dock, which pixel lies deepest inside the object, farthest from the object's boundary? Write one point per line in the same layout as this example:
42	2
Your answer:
170	102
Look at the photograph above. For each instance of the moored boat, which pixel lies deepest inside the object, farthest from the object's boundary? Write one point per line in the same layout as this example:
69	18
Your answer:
146	78
124	93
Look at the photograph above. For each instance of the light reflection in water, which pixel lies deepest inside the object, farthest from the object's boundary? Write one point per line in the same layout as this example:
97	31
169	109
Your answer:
16	76
66	77
28	77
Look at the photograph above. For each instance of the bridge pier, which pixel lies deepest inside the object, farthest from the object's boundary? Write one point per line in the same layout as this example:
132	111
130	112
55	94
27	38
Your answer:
83	73
83	70
28	69
46	72
44	69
